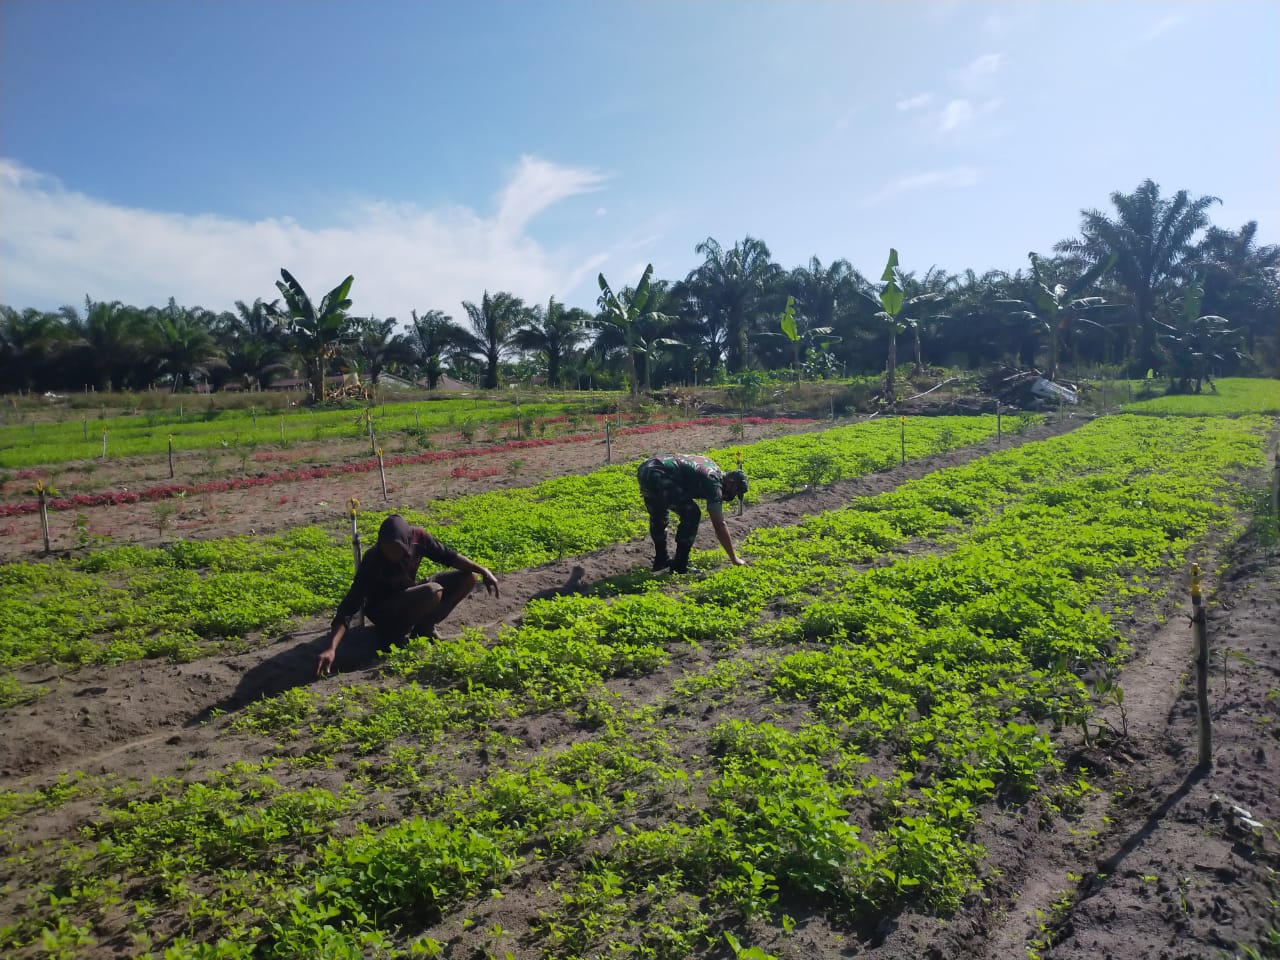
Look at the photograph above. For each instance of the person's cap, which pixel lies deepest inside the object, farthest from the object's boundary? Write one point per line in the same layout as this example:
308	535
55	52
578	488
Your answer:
395	529
739	478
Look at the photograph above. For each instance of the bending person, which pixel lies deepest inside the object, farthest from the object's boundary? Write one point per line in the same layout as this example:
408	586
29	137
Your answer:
673	482
386	585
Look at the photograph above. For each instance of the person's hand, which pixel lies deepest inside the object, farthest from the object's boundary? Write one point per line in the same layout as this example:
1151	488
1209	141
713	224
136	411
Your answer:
325	663
739	562
489	580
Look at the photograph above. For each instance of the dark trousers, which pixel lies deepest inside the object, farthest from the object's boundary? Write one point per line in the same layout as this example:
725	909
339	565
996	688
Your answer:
662	495
686	531
416	611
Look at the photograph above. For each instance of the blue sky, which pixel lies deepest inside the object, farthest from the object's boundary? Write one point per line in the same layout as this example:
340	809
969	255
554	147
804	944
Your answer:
191	149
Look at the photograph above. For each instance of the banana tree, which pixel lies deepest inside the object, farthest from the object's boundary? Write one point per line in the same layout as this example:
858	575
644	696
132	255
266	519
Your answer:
1196	341
891	297
314	332
814	337
1057	310
625	314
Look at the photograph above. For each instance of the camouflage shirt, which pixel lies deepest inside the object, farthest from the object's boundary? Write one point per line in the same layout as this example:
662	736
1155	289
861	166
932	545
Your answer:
684	477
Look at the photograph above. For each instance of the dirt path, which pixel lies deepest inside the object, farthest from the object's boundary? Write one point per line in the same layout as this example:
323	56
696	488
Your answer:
93	715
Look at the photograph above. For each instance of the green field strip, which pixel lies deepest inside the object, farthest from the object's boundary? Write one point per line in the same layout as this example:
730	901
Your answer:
43	443
1228	397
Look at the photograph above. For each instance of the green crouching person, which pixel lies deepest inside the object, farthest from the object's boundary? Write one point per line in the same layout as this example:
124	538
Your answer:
672	482
386	585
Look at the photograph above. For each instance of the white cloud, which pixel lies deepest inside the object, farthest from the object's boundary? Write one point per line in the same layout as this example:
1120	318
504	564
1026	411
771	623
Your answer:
538	184
954	115
956	177
979	70
914	103
58	244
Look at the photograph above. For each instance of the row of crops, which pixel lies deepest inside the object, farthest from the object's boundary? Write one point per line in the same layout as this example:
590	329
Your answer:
78	436
812	738
193	596
41	443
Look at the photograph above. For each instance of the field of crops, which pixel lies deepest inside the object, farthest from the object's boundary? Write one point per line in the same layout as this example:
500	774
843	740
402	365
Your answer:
41	442
795	758
193	596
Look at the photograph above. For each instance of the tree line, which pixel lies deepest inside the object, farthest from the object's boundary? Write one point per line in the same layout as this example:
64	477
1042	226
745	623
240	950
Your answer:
1149	284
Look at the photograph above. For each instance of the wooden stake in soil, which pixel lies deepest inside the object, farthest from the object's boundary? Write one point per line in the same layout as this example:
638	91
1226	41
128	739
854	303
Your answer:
86	425
44	513
282	428
998	430
1275	489
353	507
608	443
741	503
171	456
104	444
1202	669
903	440
383	474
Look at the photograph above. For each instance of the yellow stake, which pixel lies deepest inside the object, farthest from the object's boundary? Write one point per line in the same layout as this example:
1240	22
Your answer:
353	505
1195	582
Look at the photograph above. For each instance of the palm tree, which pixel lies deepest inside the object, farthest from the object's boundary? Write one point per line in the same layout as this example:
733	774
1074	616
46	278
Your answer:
435	337
1152	238
976	328
1195	342
184	340
739	284
315	332
698	327
1242	281
493	323
1057	310
627	313
820	290
250	339
28	342
553	333
924	298
379	346
113	339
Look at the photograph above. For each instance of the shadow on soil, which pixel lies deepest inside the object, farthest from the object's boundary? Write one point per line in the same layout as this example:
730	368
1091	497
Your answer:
294	666
1111	865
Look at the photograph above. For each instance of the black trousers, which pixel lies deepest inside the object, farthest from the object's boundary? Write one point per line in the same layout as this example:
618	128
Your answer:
417	610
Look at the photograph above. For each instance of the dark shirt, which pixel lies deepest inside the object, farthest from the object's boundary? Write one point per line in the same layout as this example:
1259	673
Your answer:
378	579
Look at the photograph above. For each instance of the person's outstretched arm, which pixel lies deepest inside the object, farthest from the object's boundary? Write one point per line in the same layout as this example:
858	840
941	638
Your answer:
347	609
484	573
722	534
